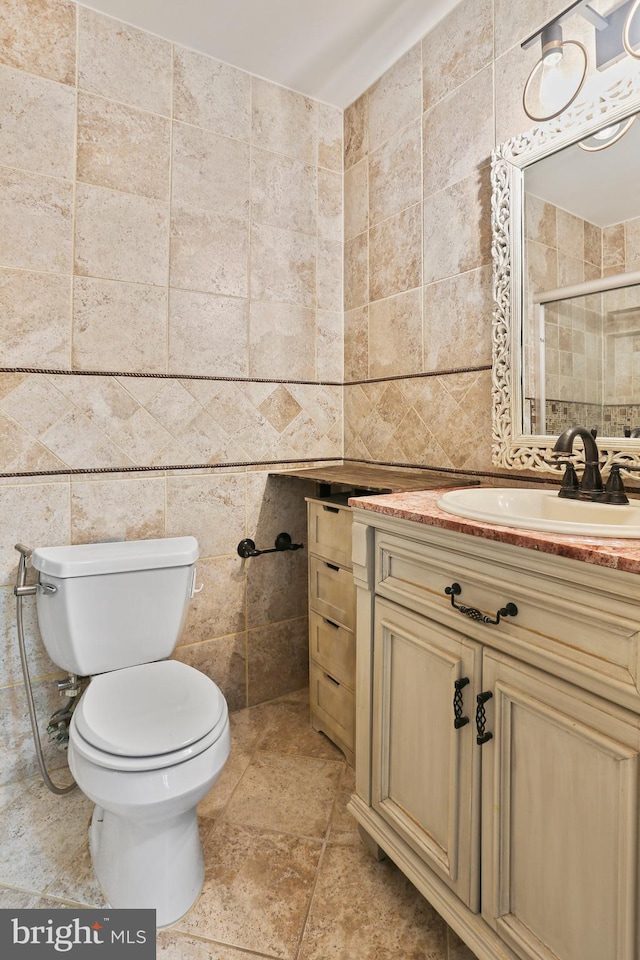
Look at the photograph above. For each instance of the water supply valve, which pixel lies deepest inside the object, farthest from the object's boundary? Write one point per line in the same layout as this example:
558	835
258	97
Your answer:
58	728
70	686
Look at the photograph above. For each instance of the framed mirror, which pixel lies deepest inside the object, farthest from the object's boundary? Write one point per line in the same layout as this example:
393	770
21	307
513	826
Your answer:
566	250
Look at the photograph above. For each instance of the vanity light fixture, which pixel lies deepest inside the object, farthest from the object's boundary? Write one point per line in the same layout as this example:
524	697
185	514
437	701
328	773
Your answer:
559	83
607	137
632	27
551	73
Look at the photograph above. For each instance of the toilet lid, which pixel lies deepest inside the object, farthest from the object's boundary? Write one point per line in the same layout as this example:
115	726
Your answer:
149	710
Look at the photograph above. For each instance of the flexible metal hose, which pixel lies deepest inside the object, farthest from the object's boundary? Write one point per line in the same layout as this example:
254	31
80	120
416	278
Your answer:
20	586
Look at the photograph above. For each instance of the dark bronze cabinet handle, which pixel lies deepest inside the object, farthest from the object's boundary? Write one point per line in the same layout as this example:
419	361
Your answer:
510	610
459	720
481	718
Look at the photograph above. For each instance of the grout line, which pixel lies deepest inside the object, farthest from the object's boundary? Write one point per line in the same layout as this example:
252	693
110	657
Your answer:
250	299
310	900
74	214
422	198
245	579
169	216
185	934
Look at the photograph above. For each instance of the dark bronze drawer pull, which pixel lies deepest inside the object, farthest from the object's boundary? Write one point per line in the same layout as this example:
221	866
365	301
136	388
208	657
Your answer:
459	720
330	509
510	610
330	623
332	566
335	682
481	718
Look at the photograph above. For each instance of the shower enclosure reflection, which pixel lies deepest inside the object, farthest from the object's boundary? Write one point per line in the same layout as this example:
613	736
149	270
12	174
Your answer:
584	357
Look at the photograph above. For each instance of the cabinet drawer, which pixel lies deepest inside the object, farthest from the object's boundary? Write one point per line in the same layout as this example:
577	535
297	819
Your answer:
333	648
332	592
332	703
330	532
587	636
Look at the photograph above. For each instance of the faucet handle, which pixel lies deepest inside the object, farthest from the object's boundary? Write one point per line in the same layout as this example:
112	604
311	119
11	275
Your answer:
570	483
614	488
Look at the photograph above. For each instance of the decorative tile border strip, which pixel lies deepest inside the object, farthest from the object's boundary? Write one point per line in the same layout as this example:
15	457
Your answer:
178	466
58	422
53	424
196	376
418	376
166	376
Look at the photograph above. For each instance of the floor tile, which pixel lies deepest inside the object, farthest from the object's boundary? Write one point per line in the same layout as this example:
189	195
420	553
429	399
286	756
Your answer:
178	946
11	899
343	827
50	903
288	794
249	726
368	910
256	890
290	732
41	834
77	881
270	892
457	949
11	791
247	729
217	798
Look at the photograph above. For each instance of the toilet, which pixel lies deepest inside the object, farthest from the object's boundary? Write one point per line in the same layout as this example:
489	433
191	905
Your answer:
149	736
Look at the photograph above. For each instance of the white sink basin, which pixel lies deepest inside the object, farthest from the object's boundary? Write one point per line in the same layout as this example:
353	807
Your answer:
533	509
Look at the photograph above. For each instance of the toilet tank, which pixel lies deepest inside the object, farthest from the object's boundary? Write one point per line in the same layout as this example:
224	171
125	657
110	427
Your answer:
114	604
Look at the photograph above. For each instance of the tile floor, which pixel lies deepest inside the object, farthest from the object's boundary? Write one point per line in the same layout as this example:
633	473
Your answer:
286	874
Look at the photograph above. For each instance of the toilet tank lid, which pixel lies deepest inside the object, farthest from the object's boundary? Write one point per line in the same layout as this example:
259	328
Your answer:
91	559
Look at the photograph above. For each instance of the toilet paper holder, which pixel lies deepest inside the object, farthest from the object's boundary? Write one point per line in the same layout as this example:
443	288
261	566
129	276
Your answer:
247	547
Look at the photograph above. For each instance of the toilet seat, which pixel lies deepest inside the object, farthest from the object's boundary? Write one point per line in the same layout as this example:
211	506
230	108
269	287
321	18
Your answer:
149	716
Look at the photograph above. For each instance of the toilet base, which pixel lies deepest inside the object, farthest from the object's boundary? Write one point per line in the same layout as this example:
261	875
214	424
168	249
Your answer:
154	866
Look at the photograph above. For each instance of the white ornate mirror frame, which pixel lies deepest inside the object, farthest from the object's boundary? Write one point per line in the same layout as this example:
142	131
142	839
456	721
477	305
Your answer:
511	448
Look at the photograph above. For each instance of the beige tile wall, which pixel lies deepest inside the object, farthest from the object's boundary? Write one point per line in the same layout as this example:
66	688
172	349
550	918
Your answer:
418	291
417	251
163	213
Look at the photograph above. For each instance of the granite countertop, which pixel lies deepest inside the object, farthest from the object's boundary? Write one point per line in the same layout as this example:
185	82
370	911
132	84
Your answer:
421	507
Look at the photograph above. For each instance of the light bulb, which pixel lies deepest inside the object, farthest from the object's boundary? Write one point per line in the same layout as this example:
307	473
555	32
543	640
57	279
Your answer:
552	58
607	133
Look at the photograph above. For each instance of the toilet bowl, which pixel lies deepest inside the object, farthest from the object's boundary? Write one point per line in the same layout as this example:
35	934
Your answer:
146	744
149	736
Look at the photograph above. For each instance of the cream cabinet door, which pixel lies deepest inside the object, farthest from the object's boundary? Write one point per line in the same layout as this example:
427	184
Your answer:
425	771
559	818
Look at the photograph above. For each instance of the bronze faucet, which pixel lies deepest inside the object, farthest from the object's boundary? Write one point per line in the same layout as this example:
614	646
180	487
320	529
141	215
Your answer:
590	486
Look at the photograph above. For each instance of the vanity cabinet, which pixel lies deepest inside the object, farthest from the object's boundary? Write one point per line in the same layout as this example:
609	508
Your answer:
515	815
425	773
559	818
332	619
